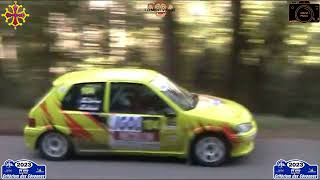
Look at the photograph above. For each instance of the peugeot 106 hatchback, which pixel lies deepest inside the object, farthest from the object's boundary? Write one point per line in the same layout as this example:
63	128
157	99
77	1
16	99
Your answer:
136	112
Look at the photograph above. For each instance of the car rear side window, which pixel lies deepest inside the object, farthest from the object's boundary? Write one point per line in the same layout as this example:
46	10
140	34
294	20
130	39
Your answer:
85	97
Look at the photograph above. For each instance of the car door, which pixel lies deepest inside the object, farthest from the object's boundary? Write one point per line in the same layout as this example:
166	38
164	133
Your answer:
137	119
83	108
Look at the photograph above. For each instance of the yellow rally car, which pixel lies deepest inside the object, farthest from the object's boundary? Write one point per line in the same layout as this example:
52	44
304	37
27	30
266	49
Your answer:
136	111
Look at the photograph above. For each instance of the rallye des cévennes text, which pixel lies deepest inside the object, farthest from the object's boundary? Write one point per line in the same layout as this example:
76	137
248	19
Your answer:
136	111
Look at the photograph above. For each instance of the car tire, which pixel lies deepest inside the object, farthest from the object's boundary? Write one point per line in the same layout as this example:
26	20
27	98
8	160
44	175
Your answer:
54	146
209	150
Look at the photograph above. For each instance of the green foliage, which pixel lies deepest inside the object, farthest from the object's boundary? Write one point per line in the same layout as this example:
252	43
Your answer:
277	64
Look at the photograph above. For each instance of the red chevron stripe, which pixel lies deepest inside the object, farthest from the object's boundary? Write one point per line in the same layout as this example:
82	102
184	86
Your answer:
91	117
44	108
229	133
76	128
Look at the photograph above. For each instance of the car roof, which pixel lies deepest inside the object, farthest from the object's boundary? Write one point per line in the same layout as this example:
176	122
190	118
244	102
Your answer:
104	75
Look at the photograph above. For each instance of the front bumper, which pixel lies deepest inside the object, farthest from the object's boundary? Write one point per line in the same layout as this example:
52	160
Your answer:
245	142
31	136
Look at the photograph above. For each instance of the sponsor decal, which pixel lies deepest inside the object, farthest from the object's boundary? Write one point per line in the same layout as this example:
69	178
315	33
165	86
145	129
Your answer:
160	7
136	136
303	11
125	123
294	169
89	104
211	100
22	169
129	131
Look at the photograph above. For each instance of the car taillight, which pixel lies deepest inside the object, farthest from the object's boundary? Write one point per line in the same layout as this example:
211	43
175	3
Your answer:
31	122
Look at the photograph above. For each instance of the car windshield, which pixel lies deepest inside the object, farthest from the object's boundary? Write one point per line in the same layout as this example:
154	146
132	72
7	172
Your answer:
182	97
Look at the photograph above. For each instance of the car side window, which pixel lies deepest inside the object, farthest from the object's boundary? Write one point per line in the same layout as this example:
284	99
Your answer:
85	97
135	98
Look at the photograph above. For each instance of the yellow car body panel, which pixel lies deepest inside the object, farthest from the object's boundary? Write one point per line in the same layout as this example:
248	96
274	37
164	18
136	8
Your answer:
90	131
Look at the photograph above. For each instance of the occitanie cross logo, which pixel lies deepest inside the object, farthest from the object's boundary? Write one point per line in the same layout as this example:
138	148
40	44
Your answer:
15	15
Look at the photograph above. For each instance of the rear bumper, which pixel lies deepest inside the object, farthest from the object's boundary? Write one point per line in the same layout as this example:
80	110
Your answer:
31	136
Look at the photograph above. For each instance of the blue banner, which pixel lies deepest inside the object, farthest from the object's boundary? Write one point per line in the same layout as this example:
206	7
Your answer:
294	169
22	169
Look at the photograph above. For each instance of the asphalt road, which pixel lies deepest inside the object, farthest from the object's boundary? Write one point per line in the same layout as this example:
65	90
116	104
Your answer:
256	166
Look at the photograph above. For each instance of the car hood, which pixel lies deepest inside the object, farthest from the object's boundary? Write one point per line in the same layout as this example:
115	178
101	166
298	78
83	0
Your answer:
221	109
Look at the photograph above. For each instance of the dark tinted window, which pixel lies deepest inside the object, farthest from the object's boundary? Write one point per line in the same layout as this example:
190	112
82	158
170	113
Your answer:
135	99
85	97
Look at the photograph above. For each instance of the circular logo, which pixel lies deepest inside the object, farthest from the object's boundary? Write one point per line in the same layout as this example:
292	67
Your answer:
304	13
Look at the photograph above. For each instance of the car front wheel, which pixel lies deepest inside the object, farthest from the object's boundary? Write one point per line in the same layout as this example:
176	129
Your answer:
209	151
54	146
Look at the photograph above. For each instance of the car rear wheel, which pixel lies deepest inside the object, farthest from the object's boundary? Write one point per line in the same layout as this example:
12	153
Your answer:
54	146
209	151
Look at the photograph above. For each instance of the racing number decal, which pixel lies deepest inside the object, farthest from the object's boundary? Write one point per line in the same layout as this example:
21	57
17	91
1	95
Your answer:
128	131
125	123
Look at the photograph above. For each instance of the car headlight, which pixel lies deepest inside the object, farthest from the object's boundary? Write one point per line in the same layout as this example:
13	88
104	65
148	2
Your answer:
245	127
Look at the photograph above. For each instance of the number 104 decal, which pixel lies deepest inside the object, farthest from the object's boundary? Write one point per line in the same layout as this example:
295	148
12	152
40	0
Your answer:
127	131
125	123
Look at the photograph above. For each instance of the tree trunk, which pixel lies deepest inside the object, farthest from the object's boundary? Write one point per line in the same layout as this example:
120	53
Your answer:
170	46
235	51
203	70
2	82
